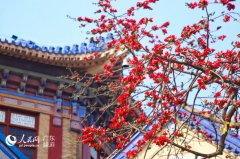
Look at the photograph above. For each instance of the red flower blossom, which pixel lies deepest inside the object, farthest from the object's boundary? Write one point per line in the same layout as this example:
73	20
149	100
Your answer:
88	20
155	27
164	31
175	133
192	5
230	6
218	94
130	11
224	1
237	44
170	38
226	18
85	58
222	37
201	84
202	3
164	25
98	11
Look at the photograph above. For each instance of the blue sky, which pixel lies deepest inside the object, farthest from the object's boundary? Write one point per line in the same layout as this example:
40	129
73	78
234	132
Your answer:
45	22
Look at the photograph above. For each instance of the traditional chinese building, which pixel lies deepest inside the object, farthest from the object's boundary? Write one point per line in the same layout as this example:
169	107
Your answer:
38	118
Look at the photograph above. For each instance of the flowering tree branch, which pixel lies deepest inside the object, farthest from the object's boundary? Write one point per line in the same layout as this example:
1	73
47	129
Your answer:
172	75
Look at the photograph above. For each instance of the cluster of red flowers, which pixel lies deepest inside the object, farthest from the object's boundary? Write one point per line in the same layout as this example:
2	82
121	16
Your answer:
204	3
145	4
107	70
161	62
188	31
94	137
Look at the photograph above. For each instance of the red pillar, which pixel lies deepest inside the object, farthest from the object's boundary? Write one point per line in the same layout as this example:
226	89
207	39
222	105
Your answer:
86	151
56	131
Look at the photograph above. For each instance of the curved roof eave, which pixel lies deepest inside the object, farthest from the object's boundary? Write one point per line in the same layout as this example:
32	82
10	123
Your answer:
57	59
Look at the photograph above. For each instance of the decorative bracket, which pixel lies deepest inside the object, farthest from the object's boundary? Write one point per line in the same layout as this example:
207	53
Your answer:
75	123
23	83
5	76
41	86
74	108
59	90
57	118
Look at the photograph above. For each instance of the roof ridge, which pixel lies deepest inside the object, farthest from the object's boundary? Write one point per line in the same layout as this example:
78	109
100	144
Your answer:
96	44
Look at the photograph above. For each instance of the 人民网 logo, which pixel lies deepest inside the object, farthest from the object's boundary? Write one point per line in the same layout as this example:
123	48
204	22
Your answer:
11	140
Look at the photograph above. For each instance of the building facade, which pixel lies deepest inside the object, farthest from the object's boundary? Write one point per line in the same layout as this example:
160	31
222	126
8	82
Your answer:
38	118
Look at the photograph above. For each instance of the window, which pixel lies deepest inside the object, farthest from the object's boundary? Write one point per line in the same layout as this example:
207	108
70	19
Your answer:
23	125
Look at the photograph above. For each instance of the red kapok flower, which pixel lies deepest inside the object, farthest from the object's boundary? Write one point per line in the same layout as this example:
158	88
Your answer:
217	94
164	25
222	37
170	38
88	20
226	18
192	5
154	27
237	44
224	1
175	133
230	6
202	4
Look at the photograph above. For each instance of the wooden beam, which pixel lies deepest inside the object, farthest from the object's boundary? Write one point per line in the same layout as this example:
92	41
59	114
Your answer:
34	74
